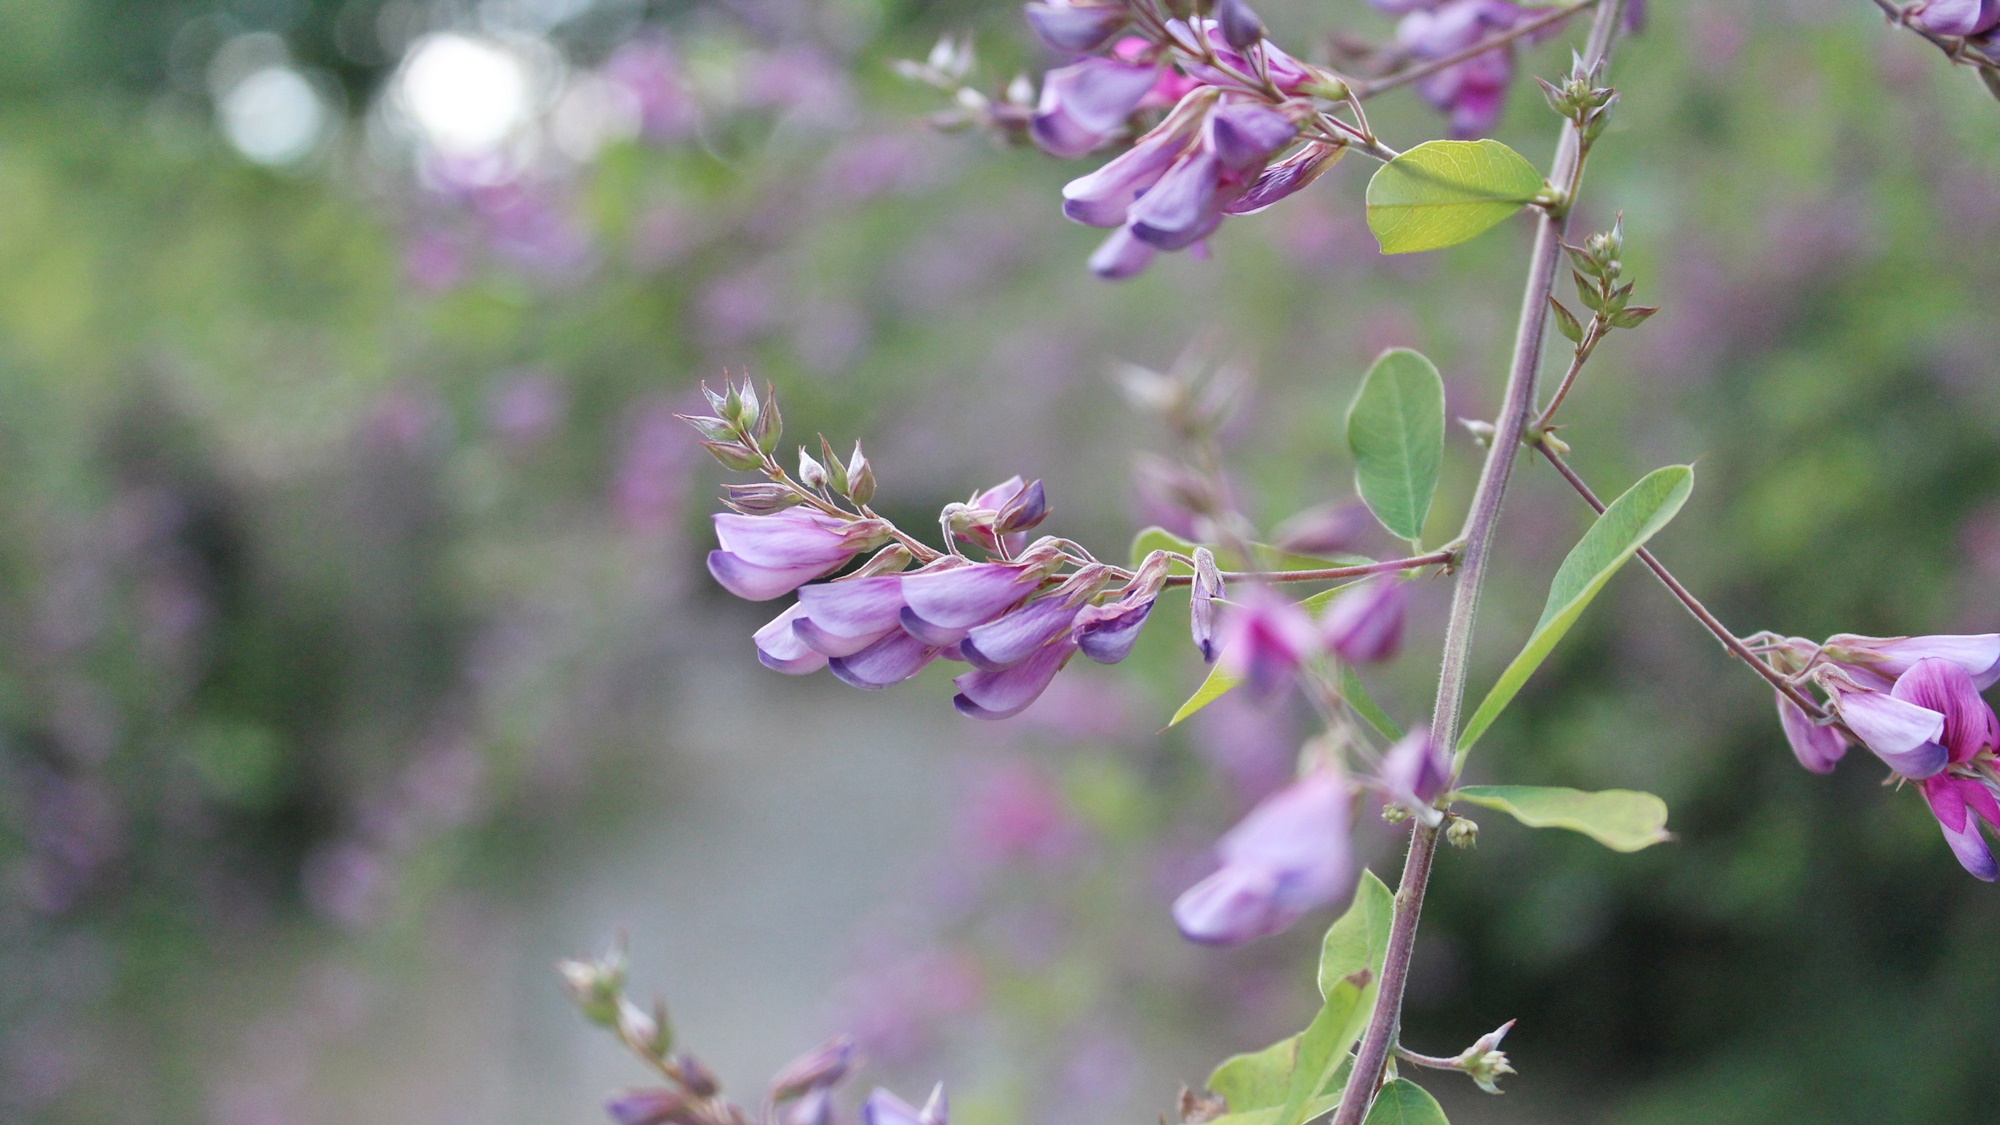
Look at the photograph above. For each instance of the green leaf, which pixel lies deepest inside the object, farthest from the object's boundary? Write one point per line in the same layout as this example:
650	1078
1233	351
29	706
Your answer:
1403	1102
1358	939
1258	1080
1620	819
1396	430
1442	193
1364	705
1324	1045
1617	535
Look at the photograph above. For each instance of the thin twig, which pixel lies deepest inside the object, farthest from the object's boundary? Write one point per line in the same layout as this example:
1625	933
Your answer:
1712	623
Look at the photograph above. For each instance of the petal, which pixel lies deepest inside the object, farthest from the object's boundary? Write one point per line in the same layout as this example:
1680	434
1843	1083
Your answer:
1415	770
1244	136
891	660
1965	840
859	607
1947	802
928	633
1816	747
1902	734
1097	94
780	649
1106	634
828	644
1365	624
1283	178
1174	212
793	537
965	596
1301	832
885	1108
1102	198
999	695
1121	256
755	583
1978	654
1952	17
1074	27
1234	905
1945	687
1008	640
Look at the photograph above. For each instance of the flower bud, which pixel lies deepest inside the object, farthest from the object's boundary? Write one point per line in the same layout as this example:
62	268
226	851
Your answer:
770	425
760	499
734	455
695	1075
824	1065
860	477
650	1032
812	474
1462	833
595	986
1201	603
1484	1062
1482	432
1240	26
1394	814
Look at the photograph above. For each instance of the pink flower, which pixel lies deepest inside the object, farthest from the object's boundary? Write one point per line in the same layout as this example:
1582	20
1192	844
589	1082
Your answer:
762	557
1289	856
1265	638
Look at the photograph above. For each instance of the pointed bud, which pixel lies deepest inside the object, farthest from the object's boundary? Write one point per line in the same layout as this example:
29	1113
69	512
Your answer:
1201	609
1633	316
836	472
647	1107
733	455
860	477
595	986
711	429
696	1076
1482	432
770	425
812	474
760	499
1484	1062
1241	28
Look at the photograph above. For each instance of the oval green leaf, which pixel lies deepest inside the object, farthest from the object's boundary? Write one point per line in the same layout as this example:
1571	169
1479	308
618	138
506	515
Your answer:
1403	1102
1396	430
1621	819
1442	193
1617	535
1359	939
1257	1080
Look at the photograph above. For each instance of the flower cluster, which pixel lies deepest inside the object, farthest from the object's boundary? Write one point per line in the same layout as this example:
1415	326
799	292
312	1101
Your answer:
1914	702
1471	93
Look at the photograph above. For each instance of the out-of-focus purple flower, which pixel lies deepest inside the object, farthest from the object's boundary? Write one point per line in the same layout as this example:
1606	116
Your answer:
1365	624
1817	747
1084	103
1414	772
1471	92
1903	734
1264	638
1886	658
1079	28
1290	855
1954	17
649	73
824	1065
1015	811
1202	596
1330	529
985	694
525	407
647	1107
814	1108
762	557
885	1108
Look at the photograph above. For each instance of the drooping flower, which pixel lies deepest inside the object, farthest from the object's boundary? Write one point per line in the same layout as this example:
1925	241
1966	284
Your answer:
1364	625
999	518
1085	103
1202	597
763	557
1264	639
1003	693
1959	803
1290	855
824	1065
1414	772
1817	747
1902	733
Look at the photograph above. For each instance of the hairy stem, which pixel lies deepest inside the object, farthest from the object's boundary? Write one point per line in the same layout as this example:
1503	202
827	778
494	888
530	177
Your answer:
1712	623
1518	403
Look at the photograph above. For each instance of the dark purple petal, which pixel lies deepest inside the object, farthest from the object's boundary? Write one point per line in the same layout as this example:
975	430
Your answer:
1076	28
1102	198
1027	509
781	650
1012	638
1107	633
965	596
999	695
1283	178
1244	135
1365	624
1954	17
1239	25
1816	747
1969	724
891	660
755	583
1201	603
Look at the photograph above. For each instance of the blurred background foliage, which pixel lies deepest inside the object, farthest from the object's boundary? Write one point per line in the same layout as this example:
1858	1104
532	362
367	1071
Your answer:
356	658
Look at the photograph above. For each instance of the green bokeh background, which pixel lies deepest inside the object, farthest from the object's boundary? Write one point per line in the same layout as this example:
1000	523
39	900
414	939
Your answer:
280	604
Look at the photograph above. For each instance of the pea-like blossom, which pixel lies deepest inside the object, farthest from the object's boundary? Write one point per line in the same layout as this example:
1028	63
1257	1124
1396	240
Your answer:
1471	93
763	557
1202	596
1954	17
1878	660
1085	103
1265	638
1290	855
1364	625
1414	772
1963	793
1902	733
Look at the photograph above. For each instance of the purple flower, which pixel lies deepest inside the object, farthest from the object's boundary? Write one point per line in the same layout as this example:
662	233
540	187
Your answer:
885	1108
1077	28
1970	728
1816	747
999	518
1107	633
941	606
780	649
1288	74
1885	658
1289	856
1414	772
1265	638
762	557
1009	639
1471	92
1201	603
647	1107
1285	177
1330	529
1101	198
1365	624
824	1065
1901	733
1003	693
842	618
1954	17
1084	103
890	660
